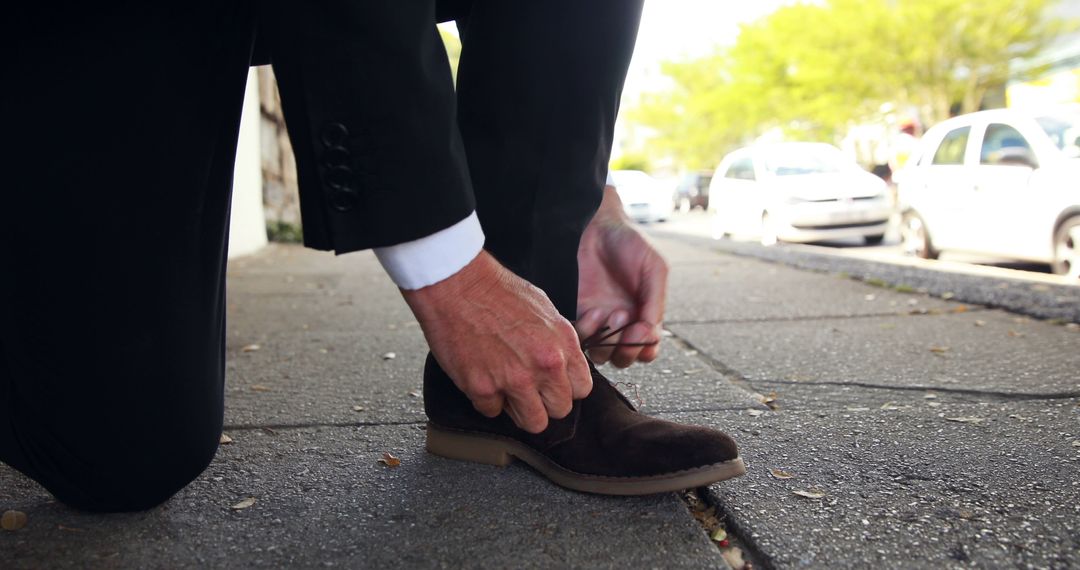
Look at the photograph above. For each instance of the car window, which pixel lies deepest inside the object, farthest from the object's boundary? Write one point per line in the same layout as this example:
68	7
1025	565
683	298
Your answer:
741	169
1005	145
952	147
1064	131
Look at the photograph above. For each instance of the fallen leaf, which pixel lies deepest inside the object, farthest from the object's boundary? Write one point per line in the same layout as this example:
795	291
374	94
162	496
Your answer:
980	323
781	474
13	520
259	388
415	394
250	348
755	413
966	420
389	460
358	408
323	351
939	349
733	556
243	504
389	356
1015	334
225	440
889	406
934	404
870	297
719	534
857	409
69	528
948	295
812	493
930	396
1076	443
961	309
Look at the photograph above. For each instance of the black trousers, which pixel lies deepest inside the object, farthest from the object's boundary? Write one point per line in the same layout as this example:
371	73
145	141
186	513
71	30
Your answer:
112	281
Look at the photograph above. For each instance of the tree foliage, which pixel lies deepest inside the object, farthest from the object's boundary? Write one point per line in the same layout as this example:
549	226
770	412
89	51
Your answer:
813	69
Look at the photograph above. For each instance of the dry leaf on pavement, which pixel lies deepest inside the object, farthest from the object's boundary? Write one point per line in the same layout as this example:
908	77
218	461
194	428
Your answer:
259	388
389	460
225	440
755	413
812	493
966	420
358	408
13	520
733	556
389	356
250	348
719	534
939	349
781	474
243	504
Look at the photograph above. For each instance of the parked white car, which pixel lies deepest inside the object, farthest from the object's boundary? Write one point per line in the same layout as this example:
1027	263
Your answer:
1001	183
797	192
644	198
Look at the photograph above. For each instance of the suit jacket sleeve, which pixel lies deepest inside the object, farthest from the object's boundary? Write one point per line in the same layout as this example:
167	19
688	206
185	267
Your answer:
370	108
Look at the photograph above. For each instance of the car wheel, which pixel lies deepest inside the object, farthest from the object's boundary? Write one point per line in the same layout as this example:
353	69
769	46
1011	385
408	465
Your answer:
684	205
875	239
915	238
768	231
1067	248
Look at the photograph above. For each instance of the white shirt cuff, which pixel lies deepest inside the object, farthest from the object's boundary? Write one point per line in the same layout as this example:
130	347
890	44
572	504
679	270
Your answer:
428	260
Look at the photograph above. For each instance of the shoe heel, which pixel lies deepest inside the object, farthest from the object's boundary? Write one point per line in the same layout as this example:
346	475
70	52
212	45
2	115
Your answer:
465	447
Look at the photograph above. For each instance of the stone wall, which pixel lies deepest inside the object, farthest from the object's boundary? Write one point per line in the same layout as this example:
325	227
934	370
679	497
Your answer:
281	197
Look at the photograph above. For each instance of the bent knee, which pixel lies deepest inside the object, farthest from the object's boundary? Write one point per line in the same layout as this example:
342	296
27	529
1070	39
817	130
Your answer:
128	477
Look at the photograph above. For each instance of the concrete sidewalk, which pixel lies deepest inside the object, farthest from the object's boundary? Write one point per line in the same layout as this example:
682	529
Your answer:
938	434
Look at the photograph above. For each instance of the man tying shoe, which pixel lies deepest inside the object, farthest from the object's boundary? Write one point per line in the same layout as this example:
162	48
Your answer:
475	203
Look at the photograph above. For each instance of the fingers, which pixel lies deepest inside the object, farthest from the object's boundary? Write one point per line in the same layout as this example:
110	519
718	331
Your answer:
489	406
577	370
589	322
527	410
616	320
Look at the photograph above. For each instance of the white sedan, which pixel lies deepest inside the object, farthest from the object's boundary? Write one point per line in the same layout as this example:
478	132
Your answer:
1001	183
798	192
644	198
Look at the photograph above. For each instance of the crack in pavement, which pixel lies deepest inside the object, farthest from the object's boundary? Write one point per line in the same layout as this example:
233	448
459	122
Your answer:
911	313
992	394
253	427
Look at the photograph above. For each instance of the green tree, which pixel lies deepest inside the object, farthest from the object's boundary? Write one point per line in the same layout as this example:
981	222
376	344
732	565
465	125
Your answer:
811	70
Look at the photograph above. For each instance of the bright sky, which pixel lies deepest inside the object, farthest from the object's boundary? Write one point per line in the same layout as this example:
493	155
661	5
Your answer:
679	29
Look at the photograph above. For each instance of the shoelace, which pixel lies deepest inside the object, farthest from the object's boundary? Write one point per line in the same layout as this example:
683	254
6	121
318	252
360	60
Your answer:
596	340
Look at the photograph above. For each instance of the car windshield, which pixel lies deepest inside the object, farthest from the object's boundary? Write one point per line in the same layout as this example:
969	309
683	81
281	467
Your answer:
810	159
1064	131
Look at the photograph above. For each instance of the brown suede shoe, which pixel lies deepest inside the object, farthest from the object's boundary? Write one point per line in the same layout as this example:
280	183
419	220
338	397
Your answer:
604	446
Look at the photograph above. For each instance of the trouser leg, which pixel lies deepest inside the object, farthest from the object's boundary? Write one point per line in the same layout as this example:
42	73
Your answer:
538	91
111	293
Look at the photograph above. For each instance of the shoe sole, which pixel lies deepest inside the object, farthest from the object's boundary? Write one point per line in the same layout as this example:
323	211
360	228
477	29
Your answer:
501	451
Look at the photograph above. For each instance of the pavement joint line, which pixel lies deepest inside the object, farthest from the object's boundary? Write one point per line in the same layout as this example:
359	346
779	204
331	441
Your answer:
734	376
744	536
927	313
1000	396
251	427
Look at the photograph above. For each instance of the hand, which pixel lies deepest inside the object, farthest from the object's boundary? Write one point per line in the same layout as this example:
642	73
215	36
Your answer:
503	343
622	280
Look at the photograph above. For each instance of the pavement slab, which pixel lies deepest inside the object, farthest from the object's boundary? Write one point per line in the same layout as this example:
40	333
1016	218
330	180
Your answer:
986	351
724	287
322	499
987	485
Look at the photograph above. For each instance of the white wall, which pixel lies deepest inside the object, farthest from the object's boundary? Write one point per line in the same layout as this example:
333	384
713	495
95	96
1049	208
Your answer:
248	223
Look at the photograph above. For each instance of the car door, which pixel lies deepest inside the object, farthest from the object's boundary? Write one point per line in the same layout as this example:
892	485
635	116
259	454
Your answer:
1002	195
944	201
737	197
